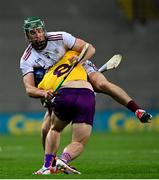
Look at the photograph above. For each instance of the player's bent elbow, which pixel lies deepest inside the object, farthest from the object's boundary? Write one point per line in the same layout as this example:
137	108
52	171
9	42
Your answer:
29	93
93	49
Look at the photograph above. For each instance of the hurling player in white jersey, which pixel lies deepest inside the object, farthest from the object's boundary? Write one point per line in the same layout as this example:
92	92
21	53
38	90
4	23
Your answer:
46	48
58	43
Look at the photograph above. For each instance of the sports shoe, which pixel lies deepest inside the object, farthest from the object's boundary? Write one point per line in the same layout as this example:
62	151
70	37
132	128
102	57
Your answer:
66	168
143	116
46	171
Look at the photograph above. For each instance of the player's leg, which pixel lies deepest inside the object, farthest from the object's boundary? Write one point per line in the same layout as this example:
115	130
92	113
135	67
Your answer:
53	136
46	124
48	119
80	135
81	130
102	85
51	146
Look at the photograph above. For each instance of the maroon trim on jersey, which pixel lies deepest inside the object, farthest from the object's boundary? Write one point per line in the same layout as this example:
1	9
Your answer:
55	37
27	53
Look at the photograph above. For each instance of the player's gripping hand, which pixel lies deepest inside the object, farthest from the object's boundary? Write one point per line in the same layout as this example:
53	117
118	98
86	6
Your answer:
73	59
48	95
48	99
143	116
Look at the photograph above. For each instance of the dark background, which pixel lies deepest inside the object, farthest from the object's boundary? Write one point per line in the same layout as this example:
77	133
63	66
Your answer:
128	27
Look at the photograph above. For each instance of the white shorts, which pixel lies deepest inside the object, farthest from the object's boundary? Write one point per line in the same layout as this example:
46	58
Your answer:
89	67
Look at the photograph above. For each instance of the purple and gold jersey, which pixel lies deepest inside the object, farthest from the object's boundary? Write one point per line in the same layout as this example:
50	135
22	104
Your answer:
56	73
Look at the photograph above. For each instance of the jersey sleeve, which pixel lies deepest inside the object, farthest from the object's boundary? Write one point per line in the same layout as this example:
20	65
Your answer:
25	61
25	67
68	39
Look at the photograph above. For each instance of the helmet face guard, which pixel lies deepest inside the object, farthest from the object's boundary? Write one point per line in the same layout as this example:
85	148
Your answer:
30	24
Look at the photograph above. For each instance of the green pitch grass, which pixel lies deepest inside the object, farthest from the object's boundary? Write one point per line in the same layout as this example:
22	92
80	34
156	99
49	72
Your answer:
107	156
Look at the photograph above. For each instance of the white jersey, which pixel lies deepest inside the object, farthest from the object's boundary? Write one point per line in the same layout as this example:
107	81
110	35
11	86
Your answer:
57	45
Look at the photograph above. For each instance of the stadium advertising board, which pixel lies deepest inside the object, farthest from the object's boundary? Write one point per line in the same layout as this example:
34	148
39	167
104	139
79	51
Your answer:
29	123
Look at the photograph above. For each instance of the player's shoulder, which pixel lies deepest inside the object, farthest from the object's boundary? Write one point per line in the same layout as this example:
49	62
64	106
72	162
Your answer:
56	35
27	53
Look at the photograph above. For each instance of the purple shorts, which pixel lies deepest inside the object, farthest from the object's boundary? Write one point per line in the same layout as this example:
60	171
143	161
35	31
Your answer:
75	104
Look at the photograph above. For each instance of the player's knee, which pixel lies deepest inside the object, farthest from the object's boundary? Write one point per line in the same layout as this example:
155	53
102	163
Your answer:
103	87
99	82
